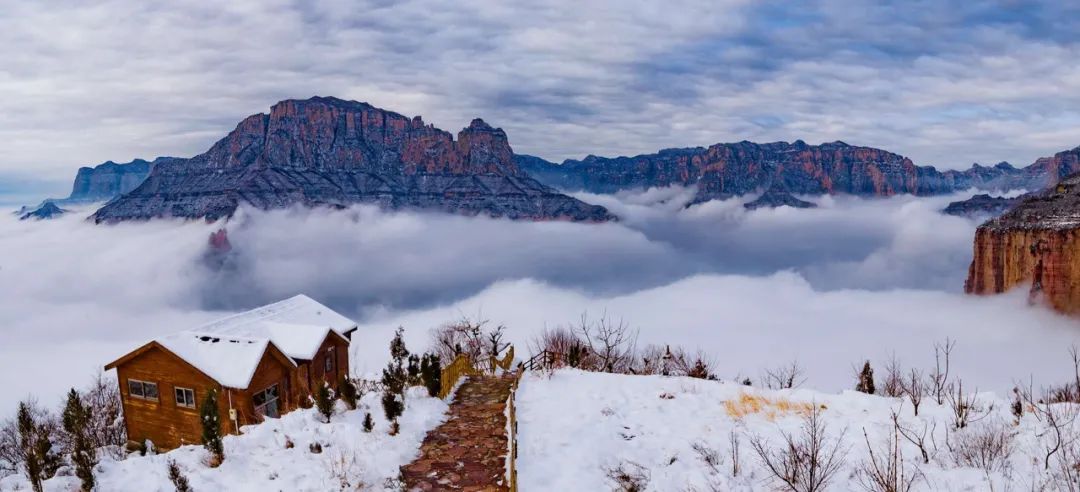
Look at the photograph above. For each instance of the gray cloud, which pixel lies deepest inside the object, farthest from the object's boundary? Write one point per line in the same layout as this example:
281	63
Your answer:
946	83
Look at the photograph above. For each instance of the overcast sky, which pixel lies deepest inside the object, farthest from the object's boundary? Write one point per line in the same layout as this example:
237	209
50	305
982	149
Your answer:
944	82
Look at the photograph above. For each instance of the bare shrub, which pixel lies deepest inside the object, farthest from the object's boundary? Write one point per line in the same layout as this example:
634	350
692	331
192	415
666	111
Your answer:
343	469
964	406
939	379
468	336
613	344
628	477
106	425
736	463
1056	418
1065	475
652	360
986	447
914	388
784	377
709	456
807	462
893	383
922	438
884	469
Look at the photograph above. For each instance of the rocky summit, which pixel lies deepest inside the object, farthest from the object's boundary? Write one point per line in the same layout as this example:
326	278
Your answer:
1033	245
731	169
775	197
326	151
46	211
982	205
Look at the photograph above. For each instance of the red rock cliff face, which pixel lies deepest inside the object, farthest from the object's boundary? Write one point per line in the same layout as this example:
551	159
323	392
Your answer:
1035	246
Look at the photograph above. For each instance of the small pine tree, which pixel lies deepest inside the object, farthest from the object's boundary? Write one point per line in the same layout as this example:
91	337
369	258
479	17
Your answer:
211	428
865	383
398	352
576	354
413	370
324	401
176	476
394	378
28	430
431	373
348	393
369	423
77	419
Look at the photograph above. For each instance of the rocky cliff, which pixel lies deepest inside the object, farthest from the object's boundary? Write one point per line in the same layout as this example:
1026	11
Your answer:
731	169
108	180
1036	246
330	152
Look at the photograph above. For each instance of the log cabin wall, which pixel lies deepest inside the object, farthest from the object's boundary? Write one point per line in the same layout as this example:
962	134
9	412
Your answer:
163	421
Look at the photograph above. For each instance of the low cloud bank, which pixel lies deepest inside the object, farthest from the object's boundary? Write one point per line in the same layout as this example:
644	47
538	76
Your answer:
850	279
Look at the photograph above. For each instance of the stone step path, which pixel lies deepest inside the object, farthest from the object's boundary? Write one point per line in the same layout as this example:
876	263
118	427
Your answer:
468	451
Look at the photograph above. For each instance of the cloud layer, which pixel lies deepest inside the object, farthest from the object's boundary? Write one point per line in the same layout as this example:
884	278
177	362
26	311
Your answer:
947	83
848	280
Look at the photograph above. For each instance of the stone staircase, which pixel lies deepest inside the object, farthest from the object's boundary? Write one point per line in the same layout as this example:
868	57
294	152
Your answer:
469	451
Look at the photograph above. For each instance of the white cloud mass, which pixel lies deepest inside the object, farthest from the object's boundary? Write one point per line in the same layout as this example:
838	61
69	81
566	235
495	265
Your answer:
830	286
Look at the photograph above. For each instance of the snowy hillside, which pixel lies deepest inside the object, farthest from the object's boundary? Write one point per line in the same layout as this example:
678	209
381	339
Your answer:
575	428
262	459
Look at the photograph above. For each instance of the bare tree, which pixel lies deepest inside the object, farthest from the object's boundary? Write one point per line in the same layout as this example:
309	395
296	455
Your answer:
939	379
914	388
106	424
884	470
784	377
807	462
612	343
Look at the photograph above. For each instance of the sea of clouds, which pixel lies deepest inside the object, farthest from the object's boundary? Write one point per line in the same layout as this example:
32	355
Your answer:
853	279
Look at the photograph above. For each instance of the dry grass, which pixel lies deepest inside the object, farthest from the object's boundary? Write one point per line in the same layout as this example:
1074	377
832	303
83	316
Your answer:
770	408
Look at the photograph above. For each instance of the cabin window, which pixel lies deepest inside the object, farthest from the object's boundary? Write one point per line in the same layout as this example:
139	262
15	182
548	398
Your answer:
266	402
328	363
142	389
185	397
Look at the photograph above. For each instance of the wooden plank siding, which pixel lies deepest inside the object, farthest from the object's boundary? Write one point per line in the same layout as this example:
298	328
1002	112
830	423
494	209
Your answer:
168	425
312	372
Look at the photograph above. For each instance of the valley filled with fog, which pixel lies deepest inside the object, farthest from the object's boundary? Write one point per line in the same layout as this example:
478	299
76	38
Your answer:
853	279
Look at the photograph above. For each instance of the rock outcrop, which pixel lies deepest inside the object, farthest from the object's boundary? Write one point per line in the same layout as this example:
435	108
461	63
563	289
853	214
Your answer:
731	169
984	206
108	180
46	211
775	197
330	152
1036	245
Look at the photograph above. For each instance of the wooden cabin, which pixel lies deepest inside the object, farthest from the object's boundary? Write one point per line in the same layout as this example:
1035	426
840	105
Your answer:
261	363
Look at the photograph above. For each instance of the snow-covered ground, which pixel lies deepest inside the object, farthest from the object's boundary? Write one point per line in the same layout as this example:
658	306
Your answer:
574	426
260	459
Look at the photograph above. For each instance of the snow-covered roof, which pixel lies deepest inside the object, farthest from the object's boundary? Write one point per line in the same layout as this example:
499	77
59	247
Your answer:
297	341
230	360
229	349
297	325
296	310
